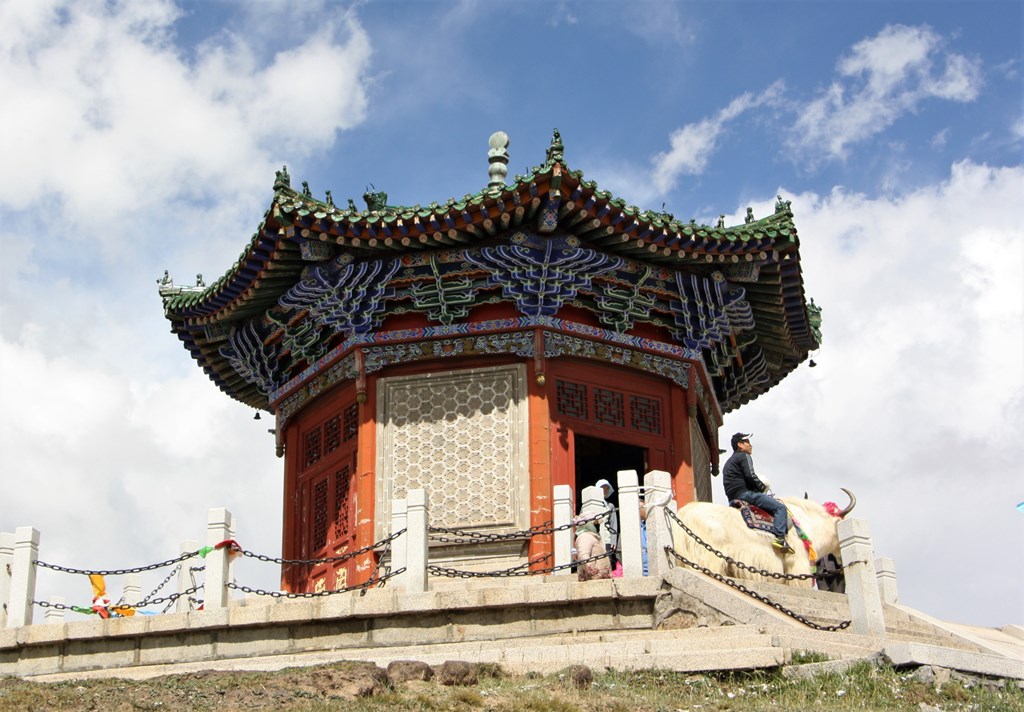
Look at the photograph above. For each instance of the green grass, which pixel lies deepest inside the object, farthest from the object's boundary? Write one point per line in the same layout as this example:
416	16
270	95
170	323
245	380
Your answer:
864	687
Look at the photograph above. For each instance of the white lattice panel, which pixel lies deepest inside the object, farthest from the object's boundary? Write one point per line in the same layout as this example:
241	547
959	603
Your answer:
461	436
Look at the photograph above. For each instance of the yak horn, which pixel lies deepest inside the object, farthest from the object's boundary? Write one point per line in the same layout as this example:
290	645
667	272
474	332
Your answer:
851	505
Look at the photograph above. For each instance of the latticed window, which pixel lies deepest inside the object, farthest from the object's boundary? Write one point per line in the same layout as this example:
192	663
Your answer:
571	399
320	514
332	434
645	414
341	513
312	448
608	407
351	421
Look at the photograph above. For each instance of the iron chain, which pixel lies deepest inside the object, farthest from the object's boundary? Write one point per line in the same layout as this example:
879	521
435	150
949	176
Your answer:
328	560
469	537
78	609
316	594
518	570
754	594
117	572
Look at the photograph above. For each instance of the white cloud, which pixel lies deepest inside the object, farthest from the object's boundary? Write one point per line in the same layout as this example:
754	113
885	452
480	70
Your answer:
111	118
125	153
919	384
693	144
941	138
883	78
657	21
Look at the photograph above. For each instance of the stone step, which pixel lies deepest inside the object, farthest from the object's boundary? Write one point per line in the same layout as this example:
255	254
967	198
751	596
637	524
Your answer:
701	649
835	646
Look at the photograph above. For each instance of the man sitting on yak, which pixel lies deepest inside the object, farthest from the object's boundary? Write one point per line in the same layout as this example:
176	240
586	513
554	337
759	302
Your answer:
742	484
718	539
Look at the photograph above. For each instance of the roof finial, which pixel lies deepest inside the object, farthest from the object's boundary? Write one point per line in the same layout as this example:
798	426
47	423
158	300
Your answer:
556	147
497	156
282	179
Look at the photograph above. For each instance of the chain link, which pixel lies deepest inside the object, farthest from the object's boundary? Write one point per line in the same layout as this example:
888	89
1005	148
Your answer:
146	601
754	594
316	594
739	564
117	572
156	601
518	570
313	562
469	537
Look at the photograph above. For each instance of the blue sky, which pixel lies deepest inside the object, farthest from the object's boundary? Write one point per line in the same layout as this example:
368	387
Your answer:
144	135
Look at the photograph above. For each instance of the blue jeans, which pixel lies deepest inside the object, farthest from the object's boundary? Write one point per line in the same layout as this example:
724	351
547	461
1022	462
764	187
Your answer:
780	523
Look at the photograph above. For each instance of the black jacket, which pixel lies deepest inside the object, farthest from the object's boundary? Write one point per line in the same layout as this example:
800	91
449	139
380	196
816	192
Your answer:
738	476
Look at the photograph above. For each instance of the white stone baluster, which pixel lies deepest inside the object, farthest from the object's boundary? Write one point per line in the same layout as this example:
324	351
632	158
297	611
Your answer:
23	576
417	548
400	546
53	614
658	497
861	583
219	527
6	562
563	537
629	523
886	571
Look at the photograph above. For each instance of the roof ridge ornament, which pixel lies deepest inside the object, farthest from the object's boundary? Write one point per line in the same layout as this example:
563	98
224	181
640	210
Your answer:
556	148
497	157
782	205
282	179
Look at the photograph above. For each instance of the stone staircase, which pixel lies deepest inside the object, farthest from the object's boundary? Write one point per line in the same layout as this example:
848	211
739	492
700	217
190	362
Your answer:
686	622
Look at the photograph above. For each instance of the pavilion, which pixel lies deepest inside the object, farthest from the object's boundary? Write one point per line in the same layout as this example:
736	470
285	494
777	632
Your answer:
488	348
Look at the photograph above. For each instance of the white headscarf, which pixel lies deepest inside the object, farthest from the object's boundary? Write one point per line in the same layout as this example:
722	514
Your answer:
605	483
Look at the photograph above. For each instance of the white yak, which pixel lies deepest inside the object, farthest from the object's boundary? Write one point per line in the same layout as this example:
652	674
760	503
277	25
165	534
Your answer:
723	529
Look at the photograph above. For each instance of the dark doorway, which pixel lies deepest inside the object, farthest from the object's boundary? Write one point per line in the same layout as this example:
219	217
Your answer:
598	459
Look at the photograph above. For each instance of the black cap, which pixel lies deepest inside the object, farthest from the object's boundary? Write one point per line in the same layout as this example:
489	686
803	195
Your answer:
739	438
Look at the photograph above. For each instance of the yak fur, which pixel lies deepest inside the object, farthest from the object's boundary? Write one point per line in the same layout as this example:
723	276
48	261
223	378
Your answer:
723	528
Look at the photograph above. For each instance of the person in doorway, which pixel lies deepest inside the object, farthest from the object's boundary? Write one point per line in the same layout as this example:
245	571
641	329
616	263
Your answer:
610	524
742	483
589	546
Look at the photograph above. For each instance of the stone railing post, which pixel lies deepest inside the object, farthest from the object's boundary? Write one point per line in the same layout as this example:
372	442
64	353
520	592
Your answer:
220	526
886	571
658	498
131	592
23	576
6	562
416	551
182	604
563	537
861	583
400	546
53	614
629	523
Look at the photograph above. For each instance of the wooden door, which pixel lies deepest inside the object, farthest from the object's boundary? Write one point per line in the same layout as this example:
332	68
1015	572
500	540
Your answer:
326	499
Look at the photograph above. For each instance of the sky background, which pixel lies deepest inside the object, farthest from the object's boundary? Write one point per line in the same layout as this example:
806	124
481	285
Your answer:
142	136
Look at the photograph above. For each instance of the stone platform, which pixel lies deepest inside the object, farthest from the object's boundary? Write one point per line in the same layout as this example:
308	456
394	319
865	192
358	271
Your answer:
684	622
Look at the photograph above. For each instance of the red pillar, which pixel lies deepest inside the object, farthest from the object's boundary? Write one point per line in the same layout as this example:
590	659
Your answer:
541	505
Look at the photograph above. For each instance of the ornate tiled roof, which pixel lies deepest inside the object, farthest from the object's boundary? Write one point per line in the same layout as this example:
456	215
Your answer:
732	295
